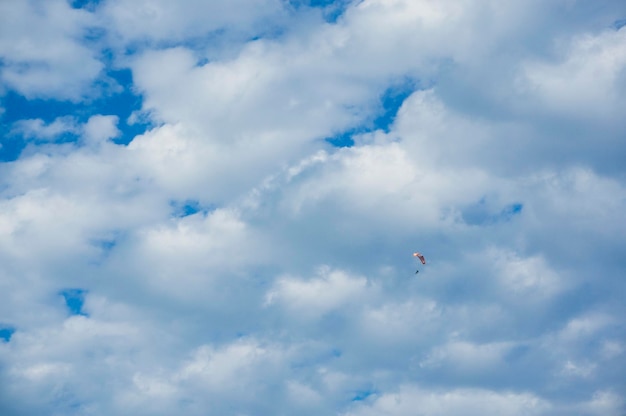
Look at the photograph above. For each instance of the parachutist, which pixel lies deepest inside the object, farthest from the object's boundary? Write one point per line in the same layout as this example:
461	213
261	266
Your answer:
422	259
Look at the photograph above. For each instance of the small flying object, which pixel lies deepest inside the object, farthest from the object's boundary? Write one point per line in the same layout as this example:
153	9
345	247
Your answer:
422	259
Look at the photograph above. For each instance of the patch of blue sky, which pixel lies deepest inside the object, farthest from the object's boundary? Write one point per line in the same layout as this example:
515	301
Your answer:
84	4
390	102
517	353
362	395
67	400
270	32
481	213
121	103
343	140
321	3
94	34
618	24
332	10
510	211
74	300
6	332
189	207
105	245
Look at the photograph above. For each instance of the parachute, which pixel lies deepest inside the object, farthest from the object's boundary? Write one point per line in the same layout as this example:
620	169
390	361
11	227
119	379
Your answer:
422	259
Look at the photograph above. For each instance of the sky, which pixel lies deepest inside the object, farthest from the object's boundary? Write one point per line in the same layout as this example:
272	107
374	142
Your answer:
210	208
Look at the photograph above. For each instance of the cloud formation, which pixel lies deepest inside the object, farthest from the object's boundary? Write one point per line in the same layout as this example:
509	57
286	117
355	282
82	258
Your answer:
211	208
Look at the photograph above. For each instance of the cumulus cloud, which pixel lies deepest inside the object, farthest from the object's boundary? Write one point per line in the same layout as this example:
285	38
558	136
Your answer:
317	296
44	52
37	128
249	251
587	82
97	128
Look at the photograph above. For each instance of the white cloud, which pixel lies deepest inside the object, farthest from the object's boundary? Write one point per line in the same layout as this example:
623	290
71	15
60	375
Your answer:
578	369
604	403
43	52
587	82
37	128
330	290
228	370
192	249
163	21
234	262
584	327
412	400
414	320
97	128
466	357
612	349
530	278
100	128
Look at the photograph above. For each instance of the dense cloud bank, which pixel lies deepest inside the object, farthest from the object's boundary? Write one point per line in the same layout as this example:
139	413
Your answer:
209	208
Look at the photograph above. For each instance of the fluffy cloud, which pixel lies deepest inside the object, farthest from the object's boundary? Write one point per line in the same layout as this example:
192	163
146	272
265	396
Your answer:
230	260
44	52
587	82
315	297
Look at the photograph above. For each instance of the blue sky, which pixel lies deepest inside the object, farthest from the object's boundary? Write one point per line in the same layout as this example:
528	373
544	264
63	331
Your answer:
210	208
